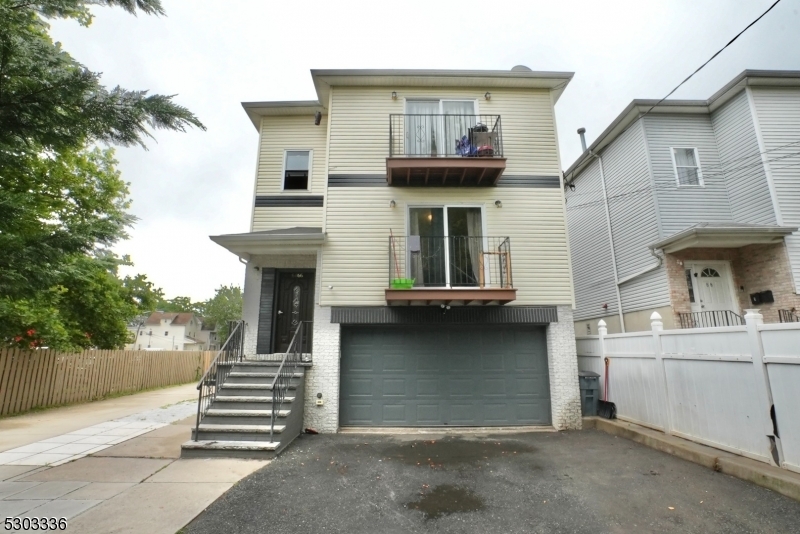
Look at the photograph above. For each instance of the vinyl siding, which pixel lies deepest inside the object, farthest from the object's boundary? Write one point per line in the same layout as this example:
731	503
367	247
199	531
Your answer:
778	111
355	259
592	269
681	207
277	135
285	217
360	126
648	292
748	189
630	201
356	253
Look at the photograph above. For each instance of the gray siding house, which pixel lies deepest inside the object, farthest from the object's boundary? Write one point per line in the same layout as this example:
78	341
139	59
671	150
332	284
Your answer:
690	208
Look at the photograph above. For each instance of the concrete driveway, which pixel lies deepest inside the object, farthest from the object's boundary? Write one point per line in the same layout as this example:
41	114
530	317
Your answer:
584	481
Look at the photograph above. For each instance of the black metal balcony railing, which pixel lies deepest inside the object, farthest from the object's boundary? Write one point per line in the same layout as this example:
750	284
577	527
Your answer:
430	136
788	316
709	319
446	262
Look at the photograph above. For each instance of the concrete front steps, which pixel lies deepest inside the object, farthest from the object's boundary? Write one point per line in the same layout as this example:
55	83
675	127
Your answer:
238	422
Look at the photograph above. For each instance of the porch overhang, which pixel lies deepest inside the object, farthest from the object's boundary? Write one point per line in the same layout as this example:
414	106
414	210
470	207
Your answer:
444	171
281	241
467	296
723	235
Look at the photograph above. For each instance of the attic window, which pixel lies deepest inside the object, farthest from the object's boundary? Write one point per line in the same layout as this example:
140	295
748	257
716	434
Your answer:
297	167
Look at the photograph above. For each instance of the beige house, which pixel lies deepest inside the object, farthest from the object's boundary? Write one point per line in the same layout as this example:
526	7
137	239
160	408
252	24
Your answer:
414	221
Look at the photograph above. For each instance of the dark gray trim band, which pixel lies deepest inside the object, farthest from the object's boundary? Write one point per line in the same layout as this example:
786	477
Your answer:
357	180
379	180
436	315
529	181
304	201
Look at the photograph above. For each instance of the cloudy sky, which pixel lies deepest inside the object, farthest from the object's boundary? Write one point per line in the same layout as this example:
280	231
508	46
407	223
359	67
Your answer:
214	55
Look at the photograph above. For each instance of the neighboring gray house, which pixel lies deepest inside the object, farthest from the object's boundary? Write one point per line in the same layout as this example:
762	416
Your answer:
699	201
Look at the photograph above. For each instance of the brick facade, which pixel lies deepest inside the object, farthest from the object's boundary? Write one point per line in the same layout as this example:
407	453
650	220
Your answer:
562	362
754	268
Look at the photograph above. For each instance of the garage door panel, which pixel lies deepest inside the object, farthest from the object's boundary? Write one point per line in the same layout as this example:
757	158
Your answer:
429	414
395	414
444	375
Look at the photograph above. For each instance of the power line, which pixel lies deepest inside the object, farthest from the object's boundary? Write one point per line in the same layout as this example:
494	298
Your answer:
712	57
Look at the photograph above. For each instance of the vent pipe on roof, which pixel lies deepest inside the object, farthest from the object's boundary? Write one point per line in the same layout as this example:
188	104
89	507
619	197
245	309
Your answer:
582	131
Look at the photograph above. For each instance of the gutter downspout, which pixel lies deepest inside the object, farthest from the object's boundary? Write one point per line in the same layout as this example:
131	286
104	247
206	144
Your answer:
649	269
611	241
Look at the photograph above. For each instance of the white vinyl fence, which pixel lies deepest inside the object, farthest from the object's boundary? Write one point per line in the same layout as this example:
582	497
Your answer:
734	388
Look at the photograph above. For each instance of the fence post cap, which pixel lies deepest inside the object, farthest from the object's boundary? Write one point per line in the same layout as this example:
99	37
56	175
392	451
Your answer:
752	315
655	321
655	316
601	323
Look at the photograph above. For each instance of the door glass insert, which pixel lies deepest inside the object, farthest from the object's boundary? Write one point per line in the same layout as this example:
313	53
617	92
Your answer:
465	240
426	247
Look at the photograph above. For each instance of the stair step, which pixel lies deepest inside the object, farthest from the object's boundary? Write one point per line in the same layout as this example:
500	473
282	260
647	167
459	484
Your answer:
251	429
252	386
244	398
230	446
245	413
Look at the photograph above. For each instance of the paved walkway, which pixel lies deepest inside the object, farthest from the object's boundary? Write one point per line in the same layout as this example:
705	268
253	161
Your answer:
135	483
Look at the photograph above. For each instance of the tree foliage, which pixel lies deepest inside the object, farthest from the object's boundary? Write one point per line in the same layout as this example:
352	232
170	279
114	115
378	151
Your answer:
63	203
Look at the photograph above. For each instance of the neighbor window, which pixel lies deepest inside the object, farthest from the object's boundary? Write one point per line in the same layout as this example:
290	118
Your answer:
296	169
687	166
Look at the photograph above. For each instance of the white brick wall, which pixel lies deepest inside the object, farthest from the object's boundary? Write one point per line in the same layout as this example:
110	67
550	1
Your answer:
250	297
562	361
323	377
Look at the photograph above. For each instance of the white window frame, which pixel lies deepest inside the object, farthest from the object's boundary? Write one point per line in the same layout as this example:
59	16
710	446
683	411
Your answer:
444	207
700	182
310	169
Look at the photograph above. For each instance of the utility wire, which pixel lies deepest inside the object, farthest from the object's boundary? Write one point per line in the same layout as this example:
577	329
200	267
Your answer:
712	57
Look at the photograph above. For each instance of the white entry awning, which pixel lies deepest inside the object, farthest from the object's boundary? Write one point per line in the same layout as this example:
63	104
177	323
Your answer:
723	235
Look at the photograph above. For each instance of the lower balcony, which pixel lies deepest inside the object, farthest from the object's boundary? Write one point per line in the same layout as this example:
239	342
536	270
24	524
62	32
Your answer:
451	270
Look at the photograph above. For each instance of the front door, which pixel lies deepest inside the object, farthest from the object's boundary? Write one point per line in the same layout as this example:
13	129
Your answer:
294	303
712	287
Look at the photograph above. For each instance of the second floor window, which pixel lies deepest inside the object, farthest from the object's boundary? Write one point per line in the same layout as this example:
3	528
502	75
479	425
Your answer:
687	166
296	169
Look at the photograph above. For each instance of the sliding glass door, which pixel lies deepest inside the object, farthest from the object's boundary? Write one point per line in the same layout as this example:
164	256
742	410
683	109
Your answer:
433	127
445	246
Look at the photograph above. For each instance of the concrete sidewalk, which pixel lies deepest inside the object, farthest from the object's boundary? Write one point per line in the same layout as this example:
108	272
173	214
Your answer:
138	485
24	429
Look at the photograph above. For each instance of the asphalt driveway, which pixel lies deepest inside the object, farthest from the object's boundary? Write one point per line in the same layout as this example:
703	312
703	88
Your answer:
571	482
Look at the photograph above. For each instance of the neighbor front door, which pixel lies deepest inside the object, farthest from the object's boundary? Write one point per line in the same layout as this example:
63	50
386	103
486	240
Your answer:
713	287
294	304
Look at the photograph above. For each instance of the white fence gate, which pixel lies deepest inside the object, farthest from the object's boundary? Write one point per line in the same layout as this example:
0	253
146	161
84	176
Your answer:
734	388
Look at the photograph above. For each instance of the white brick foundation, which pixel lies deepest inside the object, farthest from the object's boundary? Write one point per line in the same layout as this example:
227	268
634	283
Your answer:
562	361
323	377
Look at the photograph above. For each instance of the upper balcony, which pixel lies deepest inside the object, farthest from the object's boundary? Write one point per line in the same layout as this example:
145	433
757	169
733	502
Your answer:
445	150
448	270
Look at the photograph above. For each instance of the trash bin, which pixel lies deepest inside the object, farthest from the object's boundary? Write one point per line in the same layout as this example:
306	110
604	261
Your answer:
590	392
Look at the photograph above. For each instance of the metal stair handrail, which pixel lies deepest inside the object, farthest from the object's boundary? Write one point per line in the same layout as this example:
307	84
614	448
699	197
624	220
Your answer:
284	375
232	351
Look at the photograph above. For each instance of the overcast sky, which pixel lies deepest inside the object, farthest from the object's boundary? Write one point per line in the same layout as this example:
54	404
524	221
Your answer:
214	55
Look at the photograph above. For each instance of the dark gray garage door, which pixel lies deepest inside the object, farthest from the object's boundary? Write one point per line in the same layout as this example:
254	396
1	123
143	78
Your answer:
477	375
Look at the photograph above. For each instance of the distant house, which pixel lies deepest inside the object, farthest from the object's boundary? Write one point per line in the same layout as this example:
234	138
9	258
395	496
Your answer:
209	336
690	208
168	331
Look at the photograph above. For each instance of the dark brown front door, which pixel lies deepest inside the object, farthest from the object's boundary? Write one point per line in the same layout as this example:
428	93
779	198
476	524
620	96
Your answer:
294	303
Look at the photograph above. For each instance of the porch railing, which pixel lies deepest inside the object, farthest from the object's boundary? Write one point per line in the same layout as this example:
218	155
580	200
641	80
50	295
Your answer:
232	351
283	377
709	319
456	261
788	316
426	136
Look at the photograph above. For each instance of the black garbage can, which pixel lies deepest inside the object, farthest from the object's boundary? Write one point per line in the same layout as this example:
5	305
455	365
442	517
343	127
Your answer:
590	392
